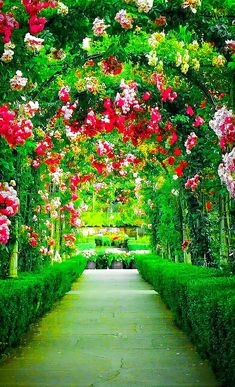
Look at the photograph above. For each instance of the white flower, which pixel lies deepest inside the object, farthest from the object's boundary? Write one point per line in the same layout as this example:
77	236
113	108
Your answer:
86	44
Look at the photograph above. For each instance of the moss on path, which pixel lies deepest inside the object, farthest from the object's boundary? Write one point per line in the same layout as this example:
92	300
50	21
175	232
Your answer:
110	330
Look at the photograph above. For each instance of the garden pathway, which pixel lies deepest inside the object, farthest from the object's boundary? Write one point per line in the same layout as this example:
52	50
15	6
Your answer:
111	330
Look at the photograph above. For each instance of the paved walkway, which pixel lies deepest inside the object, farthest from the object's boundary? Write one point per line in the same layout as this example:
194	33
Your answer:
110	330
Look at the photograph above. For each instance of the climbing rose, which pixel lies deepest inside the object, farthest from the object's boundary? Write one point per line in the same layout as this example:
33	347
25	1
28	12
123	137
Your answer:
4	230
190	142
226	172
223	124
193	182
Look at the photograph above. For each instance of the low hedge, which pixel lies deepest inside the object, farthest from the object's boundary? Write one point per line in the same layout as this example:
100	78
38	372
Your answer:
24	300
202	301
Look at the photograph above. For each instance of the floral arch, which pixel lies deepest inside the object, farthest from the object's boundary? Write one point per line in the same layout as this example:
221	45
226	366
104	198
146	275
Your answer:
125	103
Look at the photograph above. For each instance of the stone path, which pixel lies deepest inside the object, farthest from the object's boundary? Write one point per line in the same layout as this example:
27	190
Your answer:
110	330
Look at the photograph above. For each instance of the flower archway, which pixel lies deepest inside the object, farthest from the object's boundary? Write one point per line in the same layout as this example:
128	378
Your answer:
127	102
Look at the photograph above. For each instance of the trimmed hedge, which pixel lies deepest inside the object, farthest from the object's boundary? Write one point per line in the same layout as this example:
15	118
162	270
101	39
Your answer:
24	300
202	301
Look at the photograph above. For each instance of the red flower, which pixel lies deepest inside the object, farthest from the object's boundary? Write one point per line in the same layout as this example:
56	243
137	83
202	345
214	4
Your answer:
185	244
161	21
199	121
208	206
171	160
174	138
111	66
177	152
147	95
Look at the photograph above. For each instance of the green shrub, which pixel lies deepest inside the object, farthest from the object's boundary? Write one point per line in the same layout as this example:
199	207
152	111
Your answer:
102	240
86	246
24	300
132	246
202	301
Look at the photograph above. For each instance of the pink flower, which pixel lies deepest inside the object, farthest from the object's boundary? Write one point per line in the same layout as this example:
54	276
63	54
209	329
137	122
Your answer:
193	182
199	121
190	111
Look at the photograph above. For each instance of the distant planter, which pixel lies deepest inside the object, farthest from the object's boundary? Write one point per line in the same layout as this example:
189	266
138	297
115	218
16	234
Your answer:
116	264
91	265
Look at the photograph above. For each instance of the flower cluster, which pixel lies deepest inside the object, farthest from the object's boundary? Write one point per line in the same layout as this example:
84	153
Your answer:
88	254
223	124
63	94
8	53
124	19
192	4
33	8
190	142
9	206
99	27
7	24
75	214
69	240
226	171
105	148
62	9
33	236
144	5
128	99
33	43
18	82
43	146
193	182
14	129
111	66
4	230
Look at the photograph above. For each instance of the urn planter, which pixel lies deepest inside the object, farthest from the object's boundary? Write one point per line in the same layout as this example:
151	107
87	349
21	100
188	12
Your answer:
116	264
91	265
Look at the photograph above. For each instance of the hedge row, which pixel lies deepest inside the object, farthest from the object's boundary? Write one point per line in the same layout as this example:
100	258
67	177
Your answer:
202	301
24	300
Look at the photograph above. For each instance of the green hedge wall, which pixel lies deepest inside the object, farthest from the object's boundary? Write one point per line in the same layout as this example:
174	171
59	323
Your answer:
202	301
24	300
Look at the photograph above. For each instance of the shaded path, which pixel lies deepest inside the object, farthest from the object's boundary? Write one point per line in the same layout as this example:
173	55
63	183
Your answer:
110	330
